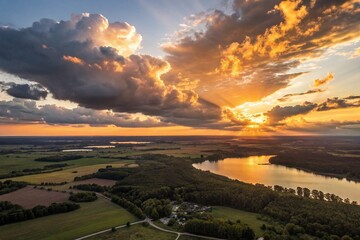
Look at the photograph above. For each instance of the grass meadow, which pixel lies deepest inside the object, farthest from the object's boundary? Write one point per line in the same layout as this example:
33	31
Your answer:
66	175
252	219
91	217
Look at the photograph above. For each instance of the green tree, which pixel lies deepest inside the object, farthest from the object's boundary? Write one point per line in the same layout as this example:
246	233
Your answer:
306	192
299	191
154	214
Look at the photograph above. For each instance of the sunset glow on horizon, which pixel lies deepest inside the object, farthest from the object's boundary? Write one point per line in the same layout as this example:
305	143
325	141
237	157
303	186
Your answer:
194	67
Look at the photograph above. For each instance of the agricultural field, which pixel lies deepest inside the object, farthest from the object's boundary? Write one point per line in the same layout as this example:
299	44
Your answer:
162	171
18	162
98	181
91	217
66	175
192	150
251	219
135	232
29	197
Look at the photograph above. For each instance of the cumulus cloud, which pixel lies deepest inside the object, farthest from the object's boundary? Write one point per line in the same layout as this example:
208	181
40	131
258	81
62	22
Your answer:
247	50
27	91
336	103
92	62
279	113
26	111
319	82
220	58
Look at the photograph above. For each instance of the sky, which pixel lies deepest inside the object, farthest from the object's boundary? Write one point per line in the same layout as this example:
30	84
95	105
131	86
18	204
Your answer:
191	67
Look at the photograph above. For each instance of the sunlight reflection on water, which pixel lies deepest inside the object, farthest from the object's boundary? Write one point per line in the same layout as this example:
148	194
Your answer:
255	169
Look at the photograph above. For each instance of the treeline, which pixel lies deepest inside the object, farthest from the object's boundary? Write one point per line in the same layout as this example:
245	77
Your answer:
30	171
83	197
11	213
113	173
53	183
138	194
10	186
136	211
91	187
237	152
158	149
314	194
249	198
320	162
46	167
219	229
58	158
316	218
108	173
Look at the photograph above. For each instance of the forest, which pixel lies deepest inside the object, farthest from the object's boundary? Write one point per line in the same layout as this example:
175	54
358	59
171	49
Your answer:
162	178
320	162
83	197
221	229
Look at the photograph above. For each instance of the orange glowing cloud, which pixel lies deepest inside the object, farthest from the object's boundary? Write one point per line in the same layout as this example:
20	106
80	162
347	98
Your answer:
72	59
218	63
271	44
255	51
325	80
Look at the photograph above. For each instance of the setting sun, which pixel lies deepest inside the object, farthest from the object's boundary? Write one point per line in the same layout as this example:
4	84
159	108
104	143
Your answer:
180	119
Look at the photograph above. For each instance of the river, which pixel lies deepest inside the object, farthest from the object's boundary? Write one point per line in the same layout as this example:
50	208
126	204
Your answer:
255	169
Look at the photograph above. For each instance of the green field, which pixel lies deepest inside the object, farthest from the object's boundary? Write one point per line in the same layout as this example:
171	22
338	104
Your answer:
191	151
24	157
66	175
135	232
15	162
91	217
245	217
98	181
20	161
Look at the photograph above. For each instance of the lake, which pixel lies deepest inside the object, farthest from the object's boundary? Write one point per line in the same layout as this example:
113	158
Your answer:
77	150
101	146
129	143
255	169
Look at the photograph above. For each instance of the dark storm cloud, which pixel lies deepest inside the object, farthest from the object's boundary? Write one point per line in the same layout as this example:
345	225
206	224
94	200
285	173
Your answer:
26	91
90	61
25	111
231	50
